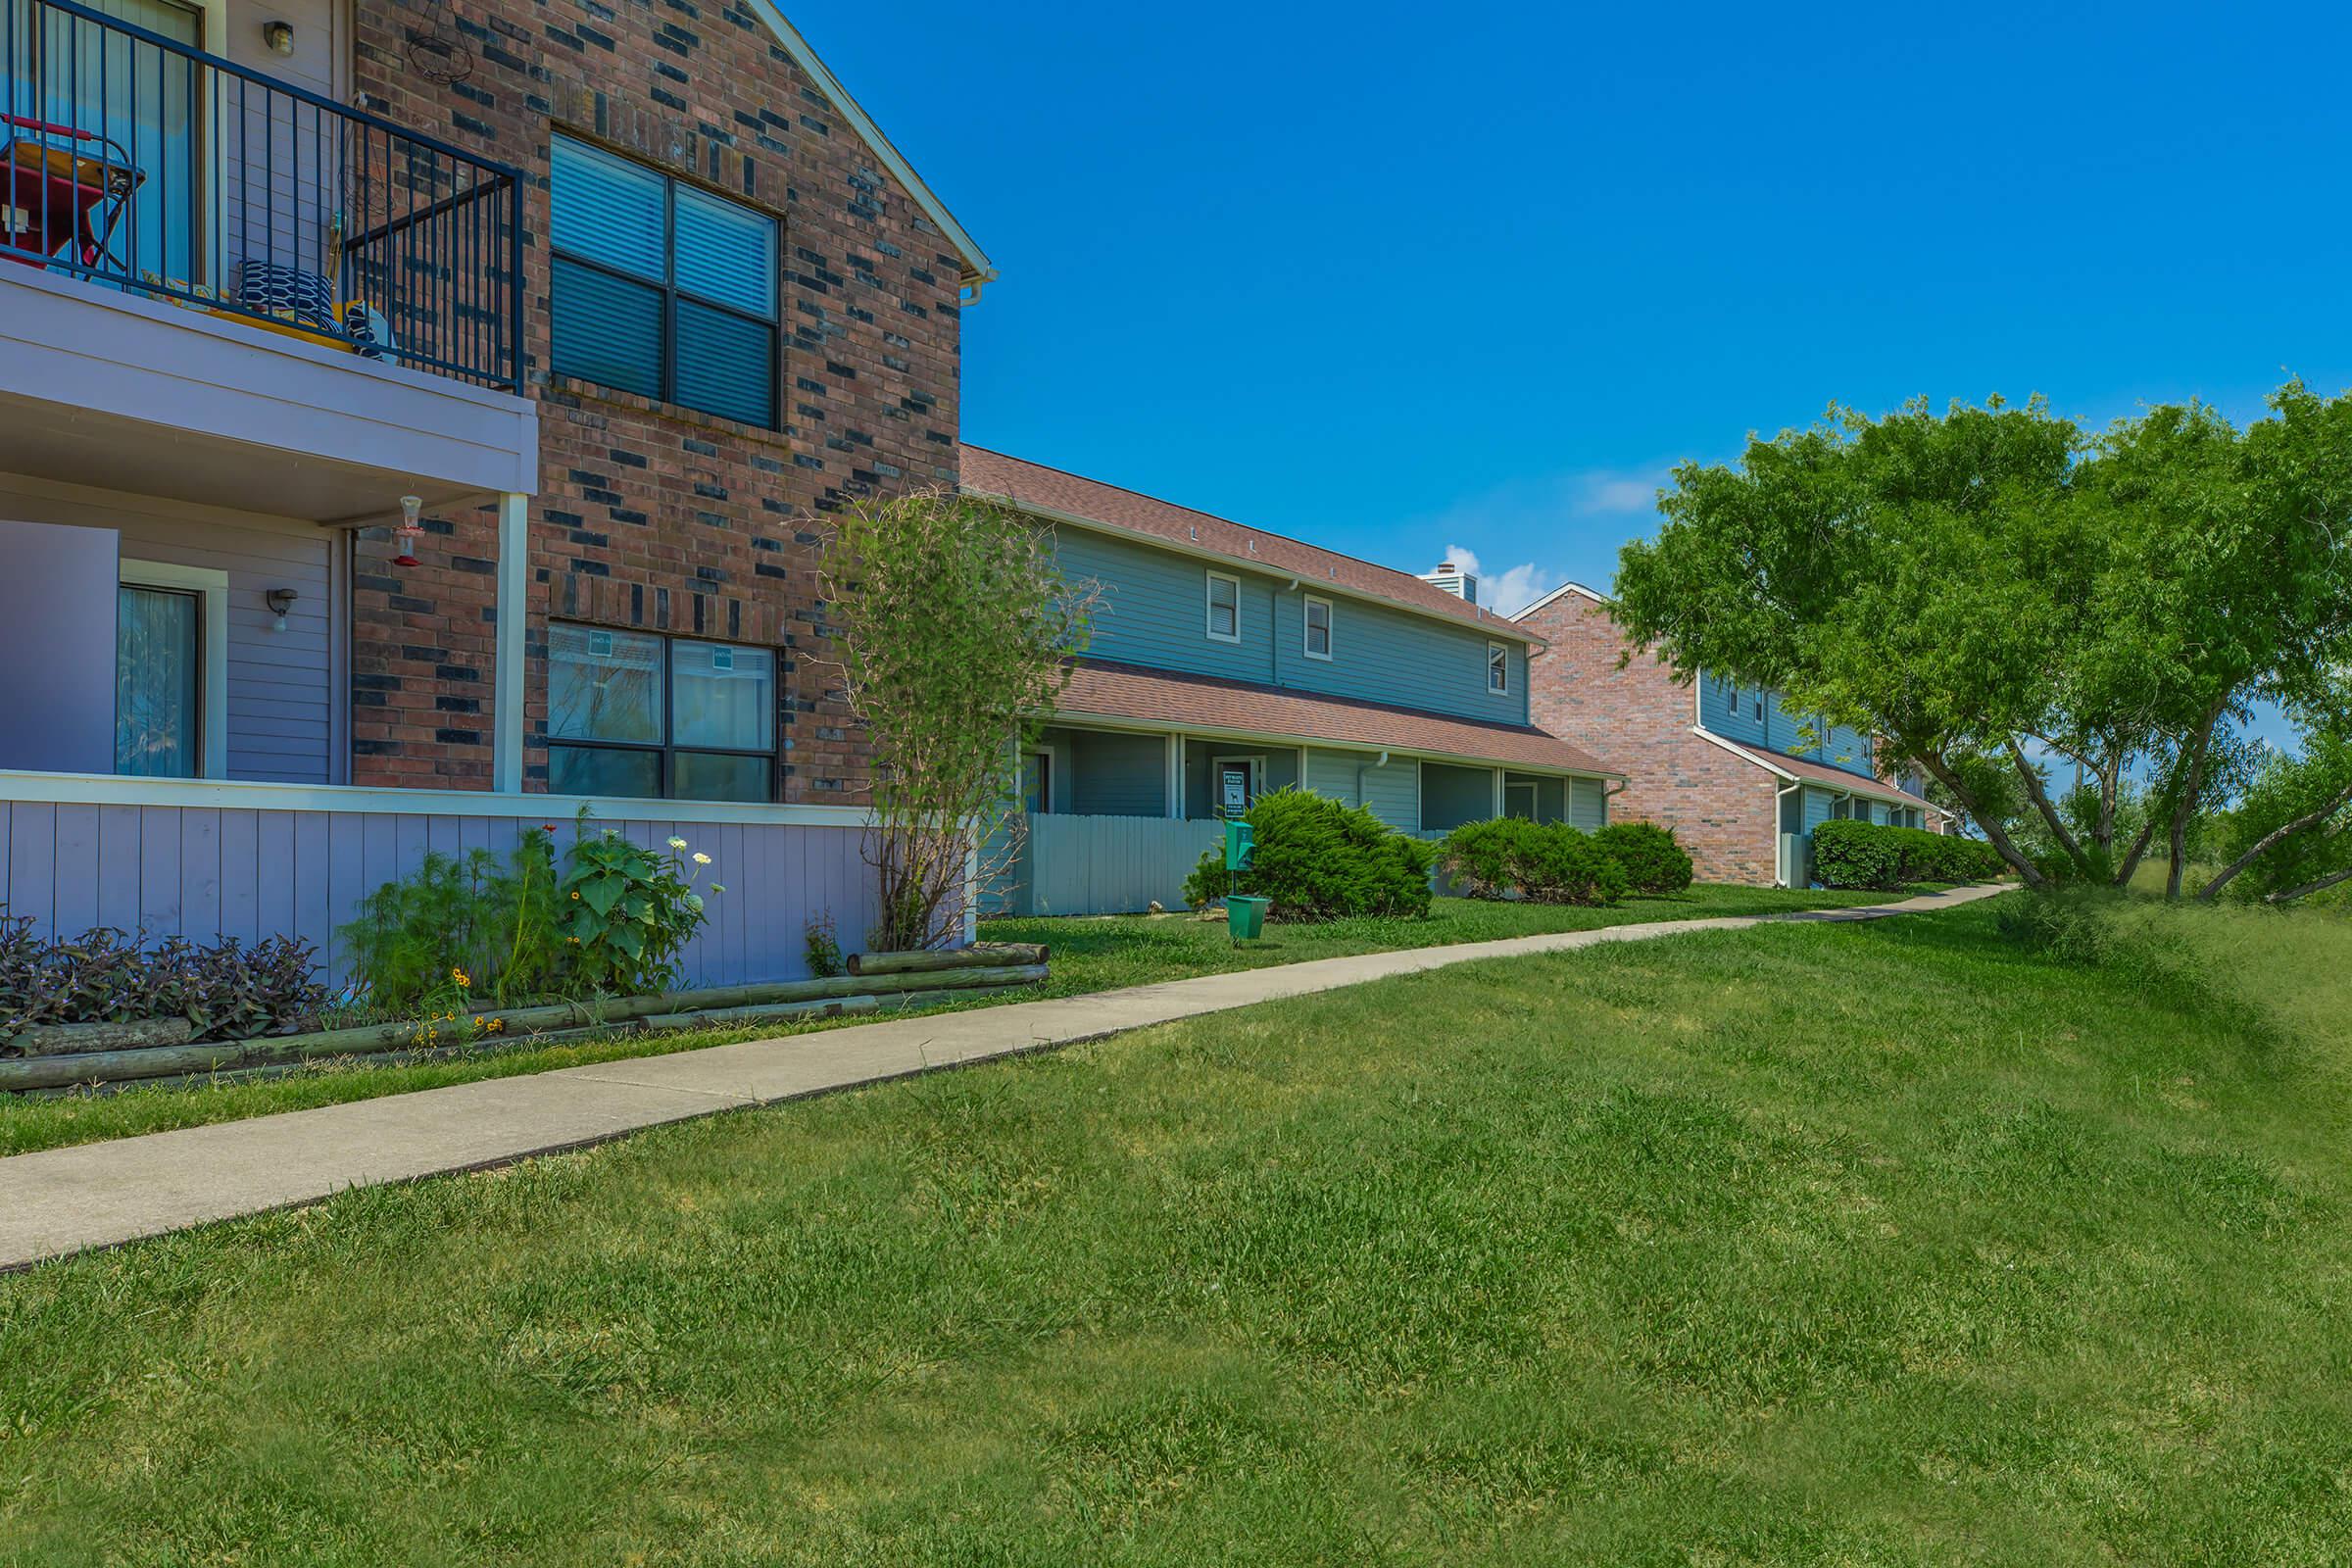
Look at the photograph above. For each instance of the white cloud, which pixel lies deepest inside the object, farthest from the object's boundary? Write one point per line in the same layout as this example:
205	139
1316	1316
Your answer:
1509	591
1569	524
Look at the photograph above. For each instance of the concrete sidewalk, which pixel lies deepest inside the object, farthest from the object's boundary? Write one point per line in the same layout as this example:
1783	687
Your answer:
62	1200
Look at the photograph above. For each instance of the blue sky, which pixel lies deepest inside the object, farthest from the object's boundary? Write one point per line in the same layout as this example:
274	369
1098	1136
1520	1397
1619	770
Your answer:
1401	280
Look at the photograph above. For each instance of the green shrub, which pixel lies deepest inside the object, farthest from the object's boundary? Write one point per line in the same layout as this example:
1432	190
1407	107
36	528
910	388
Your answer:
629	912
1318	859
490	919
1653	861
823	946
1866	854
1546	862
612	918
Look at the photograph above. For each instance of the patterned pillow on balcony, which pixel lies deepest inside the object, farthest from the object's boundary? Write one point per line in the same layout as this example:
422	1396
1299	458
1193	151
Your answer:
369	333
288	293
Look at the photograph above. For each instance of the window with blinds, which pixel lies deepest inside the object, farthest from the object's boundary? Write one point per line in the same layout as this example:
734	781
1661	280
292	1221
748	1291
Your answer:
659	288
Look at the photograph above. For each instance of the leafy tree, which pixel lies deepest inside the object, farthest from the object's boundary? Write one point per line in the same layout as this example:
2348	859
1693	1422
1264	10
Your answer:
952	627
2291	835
1967	584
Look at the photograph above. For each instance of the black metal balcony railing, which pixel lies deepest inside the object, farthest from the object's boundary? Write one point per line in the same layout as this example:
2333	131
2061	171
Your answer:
138	160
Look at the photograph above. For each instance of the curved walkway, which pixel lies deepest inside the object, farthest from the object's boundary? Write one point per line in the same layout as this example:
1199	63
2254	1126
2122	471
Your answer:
62	1201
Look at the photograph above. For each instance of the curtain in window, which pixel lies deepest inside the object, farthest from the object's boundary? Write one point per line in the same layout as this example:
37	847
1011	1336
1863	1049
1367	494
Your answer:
157	717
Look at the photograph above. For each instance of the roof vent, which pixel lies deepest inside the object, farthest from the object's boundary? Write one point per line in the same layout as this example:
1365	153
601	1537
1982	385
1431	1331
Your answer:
1452	579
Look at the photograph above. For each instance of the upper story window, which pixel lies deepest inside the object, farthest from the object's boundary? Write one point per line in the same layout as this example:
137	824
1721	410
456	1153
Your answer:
644	716
1318	627
1498	668
1224	607
1730	701
658	289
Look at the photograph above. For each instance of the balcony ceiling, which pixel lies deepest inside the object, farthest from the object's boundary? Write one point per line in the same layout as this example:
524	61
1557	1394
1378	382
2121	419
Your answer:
100	387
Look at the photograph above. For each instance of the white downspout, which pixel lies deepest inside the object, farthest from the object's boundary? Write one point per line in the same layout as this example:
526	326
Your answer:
1381	762
1780	835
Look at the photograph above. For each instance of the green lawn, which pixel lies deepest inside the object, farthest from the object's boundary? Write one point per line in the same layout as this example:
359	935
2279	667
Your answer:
1887	1243
1088	955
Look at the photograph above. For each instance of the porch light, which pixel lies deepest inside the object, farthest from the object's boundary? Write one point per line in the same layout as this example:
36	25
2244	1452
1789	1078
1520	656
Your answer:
408	532
279	36
279	601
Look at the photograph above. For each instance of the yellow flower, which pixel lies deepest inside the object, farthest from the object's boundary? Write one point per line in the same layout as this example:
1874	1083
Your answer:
461	977
701	858
576	896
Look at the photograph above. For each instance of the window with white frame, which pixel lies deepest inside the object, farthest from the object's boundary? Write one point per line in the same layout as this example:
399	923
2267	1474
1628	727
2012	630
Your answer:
1224	607
1318	627
1499	668
1730	701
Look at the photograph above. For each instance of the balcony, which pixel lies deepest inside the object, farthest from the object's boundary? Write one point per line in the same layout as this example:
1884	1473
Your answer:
222	287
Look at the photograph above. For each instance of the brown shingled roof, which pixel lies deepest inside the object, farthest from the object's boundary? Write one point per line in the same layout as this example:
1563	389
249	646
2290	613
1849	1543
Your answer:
1034	487
1205	702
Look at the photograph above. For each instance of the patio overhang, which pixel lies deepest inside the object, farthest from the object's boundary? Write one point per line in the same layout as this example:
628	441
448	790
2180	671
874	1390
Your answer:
166	400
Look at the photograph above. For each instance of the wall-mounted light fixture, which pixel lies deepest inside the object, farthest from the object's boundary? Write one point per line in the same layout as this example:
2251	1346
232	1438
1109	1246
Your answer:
279	36
279	601
408	532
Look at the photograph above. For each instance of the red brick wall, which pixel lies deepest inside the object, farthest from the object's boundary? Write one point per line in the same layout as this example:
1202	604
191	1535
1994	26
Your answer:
1636	719
648	516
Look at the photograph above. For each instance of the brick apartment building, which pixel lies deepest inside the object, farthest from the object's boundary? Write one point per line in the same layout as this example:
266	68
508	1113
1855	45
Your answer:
1741	780
656	516
621	297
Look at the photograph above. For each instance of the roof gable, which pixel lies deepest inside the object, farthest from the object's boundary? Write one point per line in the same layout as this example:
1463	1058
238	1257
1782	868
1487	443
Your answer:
1060	497
977	269
1566	588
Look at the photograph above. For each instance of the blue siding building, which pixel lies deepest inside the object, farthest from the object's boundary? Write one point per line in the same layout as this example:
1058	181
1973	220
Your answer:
1226	662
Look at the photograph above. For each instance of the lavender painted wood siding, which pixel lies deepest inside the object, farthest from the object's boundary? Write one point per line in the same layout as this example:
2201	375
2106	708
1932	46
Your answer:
209	872
278	681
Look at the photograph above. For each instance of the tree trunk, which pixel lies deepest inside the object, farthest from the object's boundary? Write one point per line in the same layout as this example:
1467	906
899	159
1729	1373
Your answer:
37	1072
2111	782
980	956
2310	819
65	1039
2185	807
2040	798
2138	851
2002	843
2320	886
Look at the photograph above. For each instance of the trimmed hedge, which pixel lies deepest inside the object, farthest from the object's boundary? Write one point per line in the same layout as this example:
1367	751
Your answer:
1318	859
1867	855
1546	862
1653	862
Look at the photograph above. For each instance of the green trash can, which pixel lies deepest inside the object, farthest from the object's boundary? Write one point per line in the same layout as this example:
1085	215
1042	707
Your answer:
1244	916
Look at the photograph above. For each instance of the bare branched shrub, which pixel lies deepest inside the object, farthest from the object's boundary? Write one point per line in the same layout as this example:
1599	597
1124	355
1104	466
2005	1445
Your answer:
952	627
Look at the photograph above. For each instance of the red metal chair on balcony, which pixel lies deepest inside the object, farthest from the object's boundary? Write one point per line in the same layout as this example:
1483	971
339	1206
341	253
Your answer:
62	188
